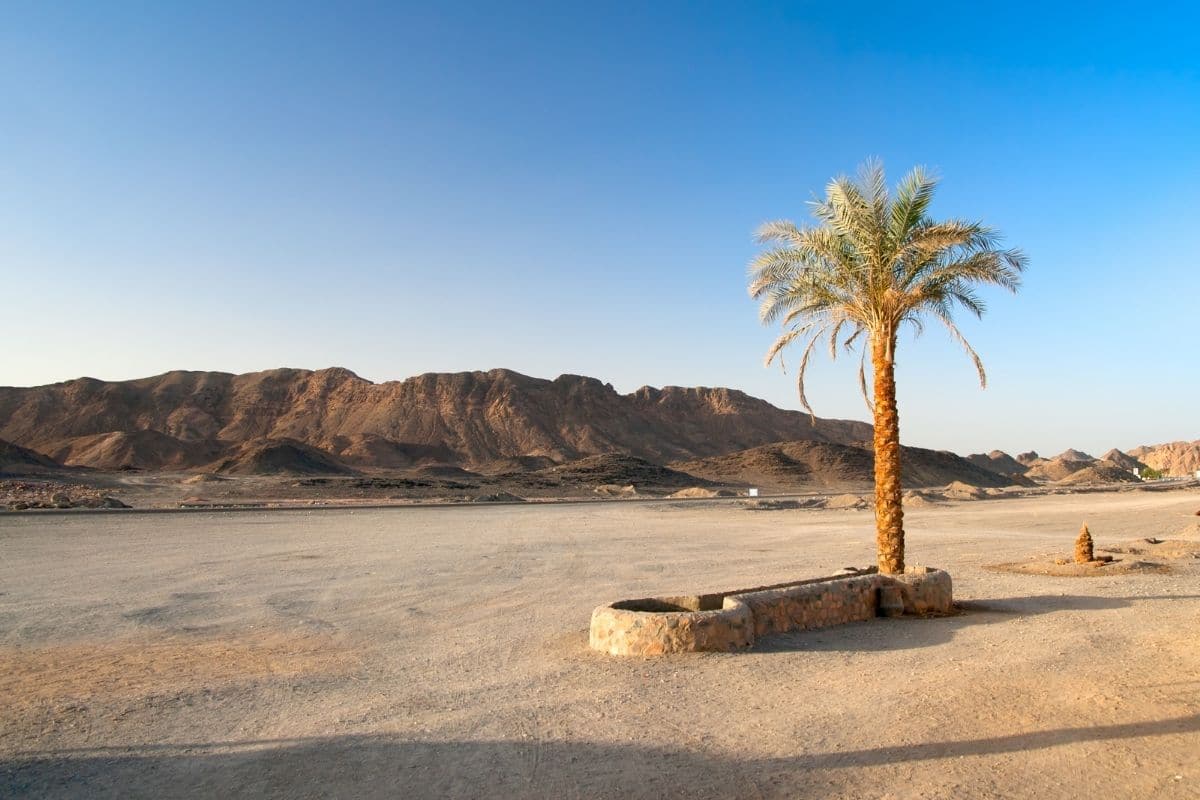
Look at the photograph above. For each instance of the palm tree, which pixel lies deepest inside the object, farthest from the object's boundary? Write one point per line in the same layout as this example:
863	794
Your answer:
871	264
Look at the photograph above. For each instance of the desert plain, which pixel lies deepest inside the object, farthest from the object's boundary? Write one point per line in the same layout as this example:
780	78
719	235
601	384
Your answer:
442	652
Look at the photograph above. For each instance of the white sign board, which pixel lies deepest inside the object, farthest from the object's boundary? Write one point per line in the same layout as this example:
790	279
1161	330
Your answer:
754	492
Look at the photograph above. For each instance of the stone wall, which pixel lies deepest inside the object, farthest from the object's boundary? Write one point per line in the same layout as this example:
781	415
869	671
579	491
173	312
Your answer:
732	620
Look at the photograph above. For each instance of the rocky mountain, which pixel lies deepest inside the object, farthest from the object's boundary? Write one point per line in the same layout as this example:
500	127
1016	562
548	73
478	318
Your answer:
183	420
1029	459
1179	459
804	465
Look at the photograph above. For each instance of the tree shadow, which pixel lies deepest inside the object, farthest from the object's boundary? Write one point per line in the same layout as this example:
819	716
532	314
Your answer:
372	766
906	633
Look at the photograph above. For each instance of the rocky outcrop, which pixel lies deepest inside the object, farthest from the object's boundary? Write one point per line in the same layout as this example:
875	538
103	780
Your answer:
1179	459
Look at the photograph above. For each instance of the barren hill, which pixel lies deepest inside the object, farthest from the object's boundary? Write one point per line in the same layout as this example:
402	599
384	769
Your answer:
1123	460
1055	469
1071	454
133	449
998	461
471	419
17	460
280	457
619	470
1099	472
827	465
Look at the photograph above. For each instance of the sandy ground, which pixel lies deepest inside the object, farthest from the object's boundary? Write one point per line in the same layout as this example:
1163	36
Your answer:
442	653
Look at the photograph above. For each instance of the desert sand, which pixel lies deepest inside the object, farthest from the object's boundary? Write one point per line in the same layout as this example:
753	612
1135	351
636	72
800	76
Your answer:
441	652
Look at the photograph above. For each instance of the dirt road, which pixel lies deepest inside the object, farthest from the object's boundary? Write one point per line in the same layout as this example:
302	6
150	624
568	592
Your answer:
442	653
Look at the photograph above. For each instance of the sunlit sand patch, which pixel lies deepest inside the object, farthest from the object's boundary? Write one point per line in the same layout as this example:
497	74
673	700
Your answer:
1157	548
41	676
1063	567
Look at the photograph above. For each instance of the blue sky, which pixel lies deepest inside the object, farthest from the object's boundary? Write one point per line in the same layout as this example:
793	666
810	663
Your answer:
572	188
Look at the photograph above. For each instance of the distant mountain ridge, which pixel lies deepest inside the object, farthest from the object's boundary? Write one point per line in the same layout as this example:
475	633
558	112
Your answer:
184	420
1180	459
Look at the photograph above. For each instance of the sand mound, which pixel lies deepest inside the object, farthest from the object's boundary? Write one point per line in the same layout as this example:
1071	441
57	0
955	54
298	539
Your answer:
958	490
700	491
1071	454
282	457
847	501
921	499
1188	532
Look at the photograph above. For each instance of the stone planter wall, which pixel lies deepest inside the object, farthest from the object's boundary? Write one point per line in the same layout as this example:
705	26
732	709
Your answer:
729	621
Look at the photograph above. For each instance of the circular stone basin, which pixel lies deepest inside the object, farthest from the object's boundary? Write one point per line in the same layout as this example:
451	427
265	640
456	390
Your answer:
655	626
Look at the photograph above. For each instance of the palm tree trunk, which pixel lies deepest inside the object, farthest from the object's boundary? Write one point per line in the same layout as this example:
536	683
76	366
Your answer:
889	513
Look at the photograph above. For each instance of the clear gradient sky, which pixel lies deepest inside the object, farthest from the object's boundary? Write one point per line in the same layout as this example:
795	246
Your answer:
572	188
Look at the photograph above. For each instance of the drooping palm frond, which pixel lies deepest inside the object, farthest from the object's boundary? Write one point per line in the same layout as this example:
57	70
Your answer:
873	262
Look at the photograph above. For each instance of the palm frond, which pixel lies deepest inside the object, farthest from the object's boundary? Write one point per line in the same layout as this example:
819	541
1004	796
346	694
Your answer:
862	381
872	262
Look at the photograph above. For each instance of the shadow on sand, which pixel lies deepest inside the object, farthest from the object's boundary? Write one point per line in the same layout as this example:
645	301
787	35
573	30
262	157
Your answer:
906	633
382	766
